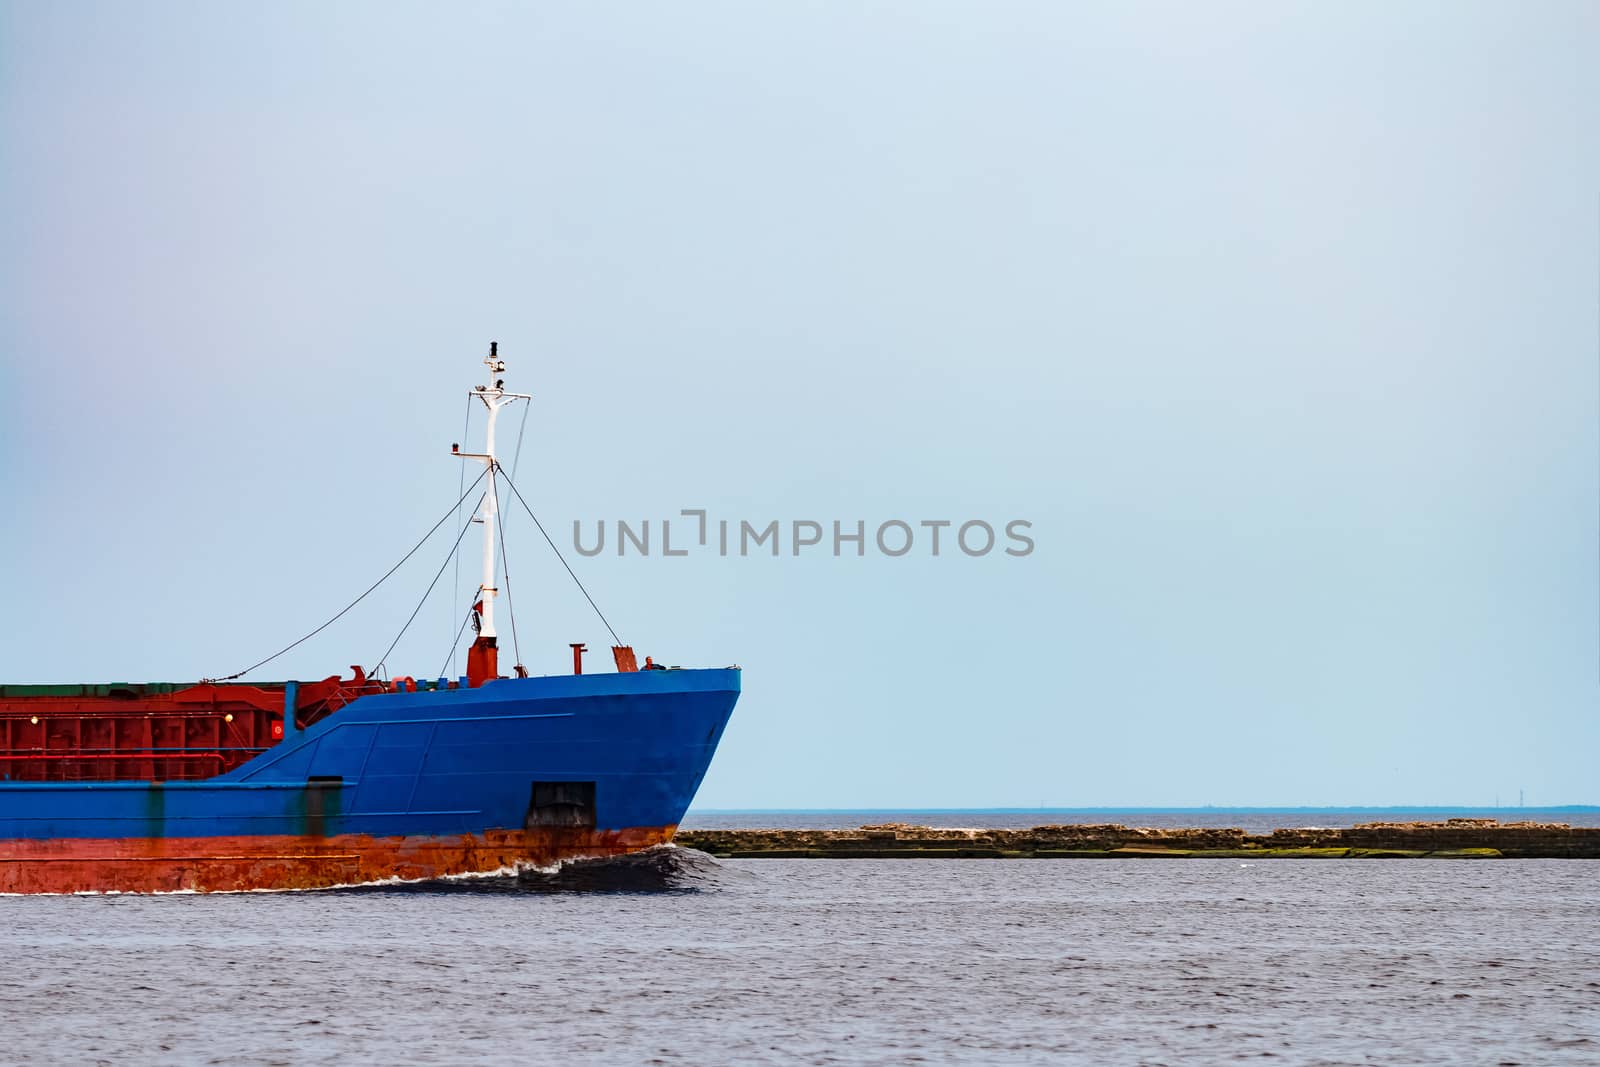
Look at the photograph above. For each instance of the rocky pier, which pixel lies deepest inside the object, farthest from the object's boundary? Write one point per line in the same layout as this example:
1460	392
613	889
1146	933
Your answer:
1452	839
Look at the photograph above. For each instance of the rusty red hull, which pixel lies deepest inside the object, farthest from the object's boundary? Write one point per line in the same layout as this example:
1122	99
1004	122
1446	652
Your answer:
230	864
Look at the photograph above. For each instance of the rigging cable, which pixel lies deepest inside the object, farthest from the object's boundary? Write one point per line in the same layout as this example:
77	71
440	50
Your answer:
436	577
456	641
516	457
559	556
363	596
505	565
466	425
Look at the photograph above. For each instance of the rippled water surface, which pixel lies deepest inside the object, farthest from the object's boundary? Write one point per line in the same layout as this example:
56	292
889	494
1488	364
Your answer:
679	959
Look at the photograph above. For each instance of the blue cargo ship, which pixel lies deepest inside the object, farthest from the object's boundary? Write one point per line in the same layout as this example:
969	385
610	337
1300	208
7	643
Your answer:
227	785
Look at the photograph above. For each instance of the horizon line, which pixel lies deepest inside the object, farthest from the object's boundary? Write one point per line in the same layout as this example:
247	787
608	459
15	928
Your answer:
1158	808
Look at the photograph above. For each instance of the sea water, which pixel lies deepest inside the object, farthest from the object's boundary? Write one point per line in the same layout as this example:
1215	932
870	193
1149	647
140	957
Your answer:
675	958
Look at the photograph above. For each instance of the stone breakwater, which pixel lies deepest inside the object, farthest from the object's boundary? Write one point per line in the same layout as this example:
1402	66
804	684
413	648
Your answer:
1452	839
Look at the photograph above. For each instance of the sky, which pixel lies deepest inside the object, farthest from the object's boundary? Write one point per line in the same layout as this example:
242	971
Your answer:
1279	324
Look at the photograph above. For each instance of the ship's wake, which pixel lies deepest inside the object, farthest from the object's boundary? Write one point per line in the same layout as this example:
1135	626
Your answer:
663	869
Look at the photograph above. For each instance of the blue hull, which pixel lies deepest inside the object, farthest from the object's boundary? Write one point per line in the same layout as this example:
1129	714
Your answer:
524	770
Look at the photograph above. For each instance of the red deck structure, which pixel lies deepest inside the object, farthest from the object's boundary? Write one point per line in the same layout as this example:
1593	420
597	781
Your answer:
154	731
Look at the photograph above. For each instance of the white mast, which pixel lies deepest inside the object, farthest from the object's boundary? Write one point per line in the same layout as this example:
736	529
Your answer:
494	397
